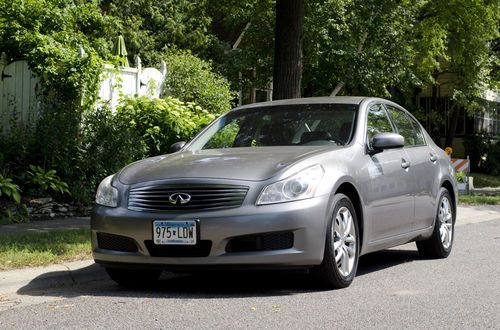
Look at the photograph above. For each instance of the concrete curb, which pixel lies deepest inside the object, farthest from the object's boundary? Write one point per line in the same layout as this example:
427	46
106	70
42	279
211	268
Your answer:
33	279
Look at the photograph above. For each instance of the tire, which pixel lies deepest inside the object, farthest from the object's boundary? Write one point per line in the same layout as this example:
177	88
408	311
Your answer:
439	245
340	260
133	277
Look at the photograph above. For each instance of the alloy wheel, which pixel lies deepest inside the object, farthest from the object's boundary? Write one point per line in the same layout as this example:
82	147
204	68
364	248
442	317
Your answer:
344	241
445	222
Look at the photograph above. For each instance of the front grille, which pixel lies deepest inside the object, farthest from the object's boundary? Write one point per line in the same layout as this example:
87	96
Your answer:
116	242
203	197
261	242
201	249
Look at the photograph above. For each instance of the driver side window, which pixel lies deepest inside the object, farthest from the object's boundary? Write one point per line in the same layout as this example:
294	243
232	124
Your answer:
377	122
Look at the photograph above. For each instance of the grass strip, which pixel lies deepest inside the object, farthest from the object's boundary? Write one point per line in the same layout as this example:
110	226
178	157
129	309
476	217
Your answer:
41	249
485	180
479	199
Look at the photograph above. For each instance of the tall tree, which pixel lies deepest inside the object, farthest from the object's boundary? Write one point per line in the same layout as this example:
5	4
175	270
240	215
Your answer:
455	42
288	49
150	26
358	47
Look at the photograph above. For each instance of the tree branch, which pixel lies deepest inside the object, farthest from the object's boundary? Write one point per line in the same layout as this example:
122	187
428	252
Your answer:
359	50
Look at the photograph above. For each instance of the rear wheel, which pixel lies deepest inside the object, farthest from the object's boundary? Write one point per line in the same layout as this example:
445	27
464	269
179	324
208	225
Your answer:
133	277
340	261
440	243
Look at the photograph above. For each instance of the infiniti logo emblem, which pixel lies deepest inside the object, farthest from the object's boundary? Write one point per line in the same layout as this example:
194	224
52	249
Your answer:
179	198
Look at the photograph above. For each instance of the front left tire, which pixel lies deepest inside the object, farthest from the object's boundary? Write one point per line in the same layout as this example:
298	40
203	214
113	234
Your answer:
340	261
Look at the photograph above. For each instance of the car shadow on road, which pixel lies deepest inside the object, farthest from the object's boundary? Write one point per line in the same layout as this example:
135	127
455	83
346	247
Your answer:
93	281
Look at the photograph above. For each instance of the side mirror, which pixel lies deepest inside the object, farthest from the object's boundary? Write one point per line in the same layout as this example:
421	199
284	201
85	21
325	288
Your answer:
383	141
177	146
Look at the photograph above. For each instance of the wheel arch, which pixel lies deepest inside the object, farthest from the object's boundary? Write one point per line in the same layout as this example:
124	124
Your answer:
449	186
348	189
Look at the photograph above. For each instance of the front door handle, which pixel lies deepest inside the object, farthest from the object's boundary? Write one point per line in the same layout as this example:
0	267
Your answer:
405	164
433	157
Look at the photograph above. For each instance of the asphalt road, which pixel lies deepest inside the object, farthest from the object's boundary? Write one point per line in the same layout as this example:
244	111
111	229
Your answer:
394	289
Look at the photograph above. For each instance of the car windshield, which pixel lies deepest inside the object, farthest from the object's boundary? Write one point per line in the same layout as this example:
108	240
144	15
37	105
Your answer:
284	125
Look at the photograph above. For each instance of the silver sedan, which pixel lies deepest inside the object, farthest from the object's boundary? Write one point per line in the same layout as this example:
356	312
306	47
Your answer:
307	183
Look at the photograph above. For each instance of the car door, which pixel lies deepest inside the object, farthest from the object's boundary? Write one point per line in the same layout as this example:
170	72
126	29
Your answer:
424	167
390	186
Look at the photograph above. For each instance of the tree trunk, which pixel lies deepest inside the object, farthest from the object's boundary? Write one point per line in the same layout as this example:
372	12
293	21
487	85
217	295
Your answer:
450	135
288	49
435	127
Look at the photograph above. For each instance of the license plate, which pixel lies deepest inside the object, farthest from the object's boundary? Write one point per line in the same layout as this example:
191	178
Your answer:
174	232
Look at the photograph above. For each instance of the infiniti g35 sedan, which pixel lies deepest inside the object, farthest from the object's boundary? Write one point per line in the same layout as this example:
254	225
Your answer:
307	183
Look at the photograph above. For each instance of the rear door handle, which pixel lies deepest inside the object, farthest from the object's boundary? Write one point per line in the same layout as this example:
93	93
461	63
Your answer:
433	157
405	164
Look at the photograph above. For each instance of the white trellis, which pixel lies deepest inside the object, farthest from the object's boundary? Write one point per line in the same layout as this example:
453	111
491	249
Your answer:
124	81
20	89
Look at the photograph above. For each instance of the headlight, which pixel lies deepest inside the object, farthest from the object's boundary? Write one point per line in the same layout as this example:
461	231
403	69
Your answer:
299	186
107	195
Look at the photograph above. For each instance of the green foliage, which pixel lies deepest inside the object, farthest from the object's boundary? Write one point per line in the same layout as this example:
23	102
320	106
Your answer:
251	63
485	180
191	79
455	38
46	180
461	176
105	148
13	213
158	123
49	35
225	137
151	26
364	44
484	153
10	189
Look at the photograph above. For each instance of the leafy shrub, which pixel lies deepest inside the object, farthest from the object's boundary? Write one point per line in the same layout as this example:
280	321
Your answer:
46	180
158	123
10	189
105	147
484	152
191	79
460	176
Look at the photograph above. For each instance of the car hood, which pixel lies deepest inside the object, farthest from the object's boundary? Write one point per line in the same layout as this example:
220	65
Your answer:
251	164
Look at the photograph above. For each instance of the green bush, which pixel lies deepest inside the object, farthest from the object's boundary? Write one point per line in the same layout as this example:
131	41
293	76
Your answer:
105	147
191	79
484	152
158	123
10	189
46	180
460	176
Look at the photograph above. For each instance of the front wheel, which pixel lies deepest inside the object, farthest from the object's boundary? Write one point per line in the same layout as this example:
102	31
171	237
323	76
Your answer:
340	261
440	243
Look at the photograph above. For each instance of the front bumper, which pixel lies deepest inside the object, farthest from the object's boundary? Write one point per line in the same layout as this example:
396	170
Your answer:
306	219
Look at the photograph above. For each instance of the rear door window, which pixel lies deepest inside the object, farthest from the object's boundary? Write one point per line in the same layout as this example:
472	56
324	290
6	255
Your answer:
407	127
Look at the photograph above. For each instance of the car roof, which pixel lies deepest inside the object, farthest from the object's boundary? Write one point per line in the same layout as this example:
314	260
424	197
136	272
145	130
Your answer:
308	100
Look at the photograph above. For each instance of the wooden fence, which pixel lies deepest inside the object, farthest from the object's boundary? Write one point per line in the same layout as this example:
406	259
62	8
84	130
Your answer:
20	89
19	94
